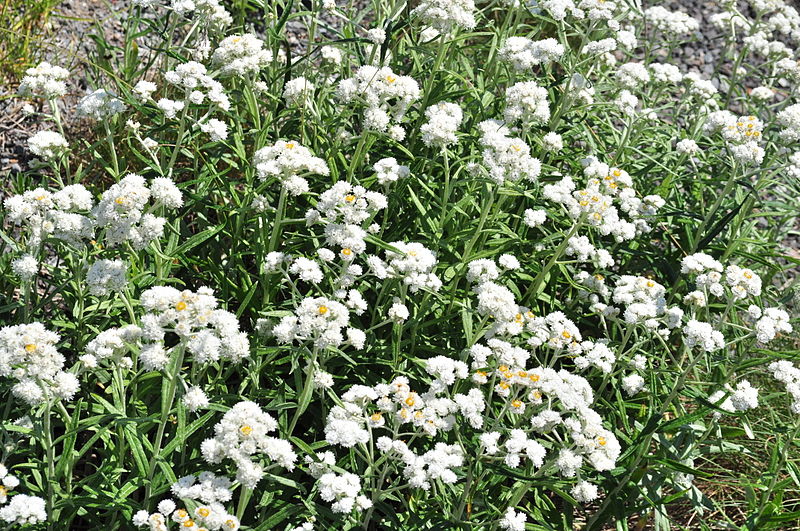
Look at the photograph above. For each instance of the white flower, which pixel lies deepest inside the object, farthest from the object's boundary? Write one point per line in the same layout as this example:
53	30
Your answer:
24	509
446	15
632	384
789	375
443	121
29	355
48	144
242	433
513	521
672	23
584	492
742	281
106	276
552	142
773	322
632	75
389	171
44	81
204	486
398	312
287	161
331	54
322	380
527	102
345	426
344	491
144	89
25	267
100	105
386	96
376	35
241	55
762	93
697	333
217	129
524	54
121	210
195	398
744	396
687	146
298	91
534	218
666	73
505	157
170	108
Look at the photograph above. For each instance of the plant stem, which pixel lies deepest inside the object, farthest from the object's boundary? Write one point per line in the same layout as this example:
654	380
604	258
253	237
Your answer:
167	401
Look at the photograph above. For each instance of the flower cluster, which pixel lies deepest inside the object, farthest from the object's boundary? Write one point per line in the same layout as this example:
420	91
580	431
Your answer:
242	434
387	97
29	355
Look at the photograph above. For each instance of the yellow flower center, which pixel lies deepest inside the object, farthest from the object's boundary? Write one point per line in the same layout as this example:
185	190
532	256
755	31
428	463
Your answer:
599	276
410	401
522	374
41	197
230	523
617	173
537	395
349	198
516	404
508	374
203	511
375	417
482	374
120	200
650	283
418	415
246	430
182	513
30	347
322	310
412	253
290	145
502	368
518	318
565	334
346	251
180	306
515	147
503	385
188	523
391	79
748	275
530	315
601	441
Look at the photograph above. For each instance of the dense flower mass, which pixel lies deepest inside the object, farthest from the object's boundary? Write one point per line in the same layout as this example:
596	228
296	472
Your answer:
450	264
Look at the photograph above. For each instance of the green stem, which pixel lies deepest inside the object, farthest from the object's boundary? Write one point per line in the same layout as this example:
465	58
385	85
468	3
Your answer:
537	282
276	227
167	401
112	148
